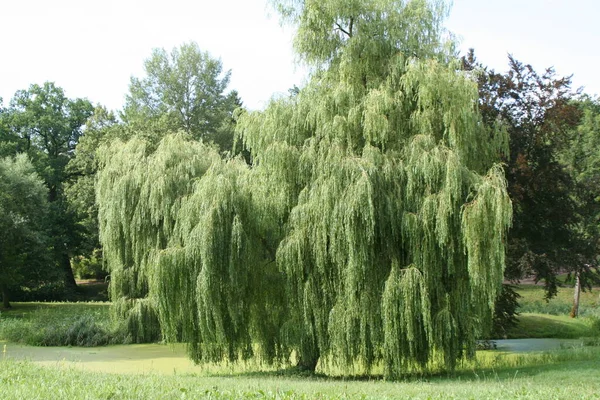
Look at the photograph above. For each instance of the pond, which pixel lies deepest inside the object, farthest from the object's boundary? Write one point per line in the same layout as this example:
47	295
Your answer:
135	358
526	345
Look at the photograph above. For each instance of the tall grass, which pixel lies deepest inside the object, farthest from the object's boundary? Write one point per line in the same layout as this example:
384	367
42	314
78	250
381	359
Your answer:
61	324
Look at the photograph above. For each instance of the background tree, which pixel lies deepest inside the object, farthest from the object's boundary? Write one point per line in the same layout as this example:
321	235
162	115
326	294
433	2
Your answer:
48	126
101	128
183	90
9	141
23	218
581	158
538	113
370	226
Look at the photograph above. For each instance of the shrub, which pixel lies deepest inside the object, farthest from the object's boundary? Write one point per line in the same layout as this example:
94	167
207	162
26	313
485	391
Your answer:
89	267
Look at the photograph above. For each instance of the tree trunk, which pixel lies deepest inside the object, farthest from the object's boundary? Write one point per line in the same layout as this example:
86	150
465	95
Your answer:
308	363
575	309
65	262
308	356
5	298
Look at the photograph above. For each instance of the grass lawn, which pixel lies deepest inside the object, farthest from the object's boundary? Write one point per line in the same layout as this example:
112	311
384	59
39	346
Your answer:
532	301
563	374
536	325
539	318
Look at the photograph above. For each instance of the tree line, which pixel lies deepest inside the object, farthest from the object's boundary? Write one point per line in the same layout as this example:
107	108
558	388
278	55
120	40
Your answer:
370	216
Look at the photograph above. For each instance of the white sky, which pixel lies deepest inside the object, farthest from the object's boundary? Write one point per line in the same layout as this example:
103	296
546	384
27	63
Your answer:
92	48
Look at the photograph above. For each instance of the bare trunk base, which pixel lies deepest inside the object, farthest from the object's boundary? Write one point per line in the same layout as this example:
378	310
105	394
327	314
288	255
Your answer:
5	298
308	364
65	262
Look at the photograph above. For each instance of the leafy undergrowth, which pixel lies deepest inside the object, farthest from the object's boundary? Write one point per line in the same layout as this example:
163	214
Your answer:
60	324
562	374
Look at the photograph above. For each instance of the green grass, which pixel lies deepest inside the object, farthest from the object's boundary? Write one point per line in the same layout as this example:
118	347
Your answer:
532	301
537	325
563	374
60	324
566	373
550	319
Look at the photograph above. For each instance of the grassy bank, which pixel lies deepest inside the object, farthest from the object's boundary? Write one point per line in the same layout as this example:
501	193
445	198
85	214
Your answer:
60	324
532	301
568	374
541	318
538	325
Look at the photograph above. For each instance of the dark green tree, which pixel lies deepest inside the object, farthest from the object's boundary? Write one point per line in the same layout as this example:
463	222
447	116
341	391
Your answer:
23	218
538	113
48	126
581	158
100	128
10	142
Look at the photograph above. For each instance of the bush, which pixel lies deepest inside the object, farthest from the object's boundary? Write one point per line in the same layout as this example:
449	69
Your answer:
595	325
47	291
505	313
89	267
81	331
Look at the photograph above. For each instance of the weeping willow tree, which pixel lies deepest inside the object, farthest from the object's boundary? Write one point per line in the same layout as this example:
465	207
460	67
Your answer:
191	249
368	229
139	191
393	249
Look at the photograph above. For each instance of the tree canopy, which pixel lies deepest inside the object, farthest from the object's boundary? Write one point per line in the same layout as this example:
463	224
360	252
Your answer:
23	223
47	125
539	113
183	90
370	226
581	159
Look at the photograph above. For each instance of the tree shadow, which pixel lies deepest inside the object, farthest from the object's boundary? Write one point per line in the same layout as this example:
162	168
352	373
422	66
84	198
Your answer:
475	374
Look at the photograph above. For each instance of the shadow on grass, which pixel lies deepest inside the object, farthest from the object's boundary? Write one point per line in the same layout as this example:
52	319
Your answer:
557	361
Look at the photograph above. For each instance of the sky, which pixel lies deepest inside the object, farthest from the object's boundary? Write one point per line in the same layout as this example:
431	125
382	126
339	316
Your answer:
92	48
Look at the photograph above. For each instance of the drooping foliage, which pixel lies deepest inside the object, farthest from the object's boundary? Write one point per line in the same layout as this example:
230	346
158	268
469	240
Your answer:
369	227
185	243
136	190
394	250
